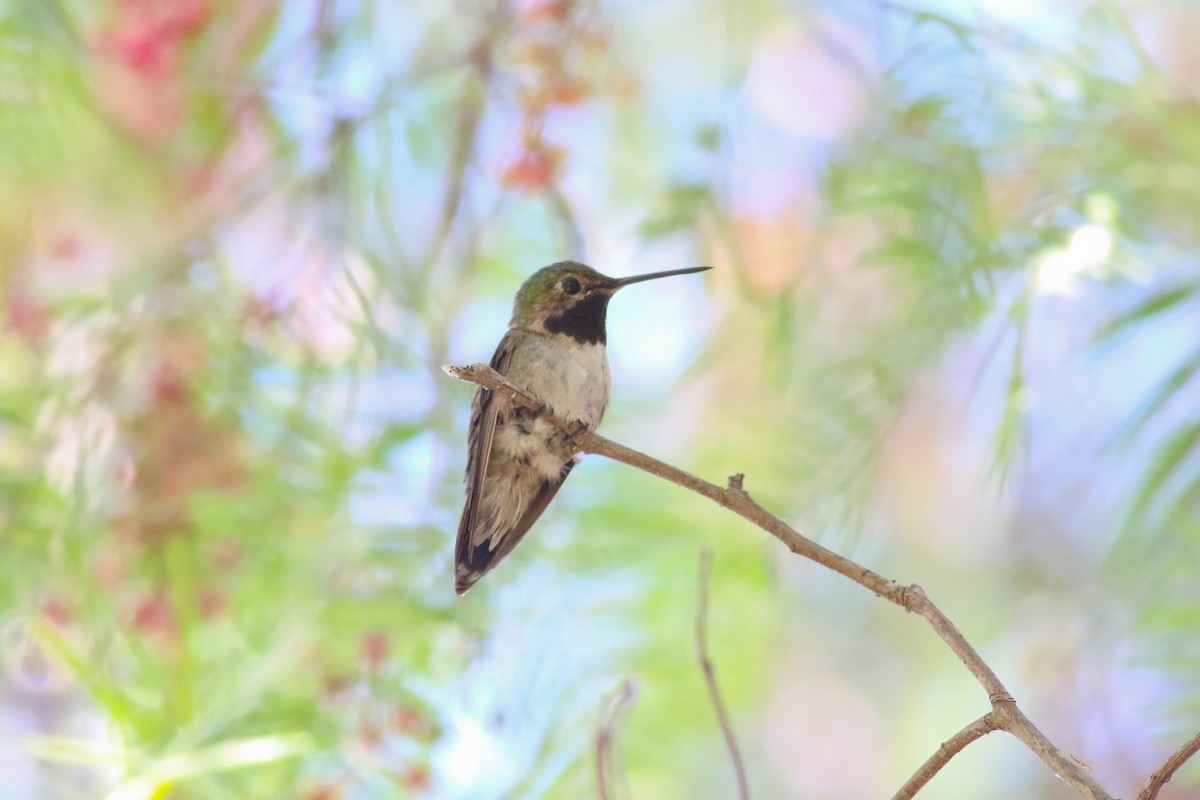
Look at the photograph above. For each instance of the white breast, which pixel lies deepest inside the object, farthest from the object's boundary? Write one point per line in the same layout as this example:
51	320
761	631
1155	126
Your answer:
571	378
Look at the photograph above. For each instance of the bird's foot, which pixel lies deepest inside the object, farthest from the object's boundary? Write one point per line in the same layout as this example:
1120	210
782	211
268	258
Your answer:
576	427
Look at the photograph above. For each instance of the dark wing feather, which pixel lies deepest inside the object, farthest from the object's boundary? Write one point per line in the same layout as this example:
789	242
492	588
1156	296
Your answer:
479	559
483	430
514	535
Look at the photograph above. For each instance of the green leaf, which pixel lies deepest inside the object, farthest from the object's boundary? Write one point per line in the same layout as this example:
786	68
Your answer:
1172	454
1168	389
391	437
708	138
1182	506
962	33
909	252
224	756
681	207
106	692
1151	307
923	112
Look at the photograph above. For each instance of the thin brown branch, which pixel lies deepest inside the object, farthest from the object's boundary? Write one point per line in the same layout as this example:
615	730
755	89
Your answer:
911	598
610	706
710	677
1167	770
948	750
572	233
466	132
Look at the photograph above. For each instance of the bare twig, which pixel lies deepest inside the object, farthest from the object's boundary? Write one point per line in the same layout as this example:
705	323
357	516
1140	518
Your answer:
1005	714
571	232
1164	773
710	676
948	750
610	706
466	132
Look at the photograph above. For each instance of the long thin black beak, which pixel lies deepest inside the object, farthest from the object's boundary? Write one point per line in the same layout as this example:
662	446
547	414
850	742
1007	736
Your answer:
639	278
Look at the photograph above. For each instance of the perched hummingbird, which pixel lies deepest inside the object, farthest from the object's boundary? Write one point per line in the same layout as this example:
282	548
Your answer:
554	350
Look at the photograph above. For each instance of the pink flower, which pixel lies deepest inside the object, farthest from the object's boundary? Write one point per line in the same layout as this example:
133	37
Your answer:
211	602
27	319
374	649
154	616
145	45
533	170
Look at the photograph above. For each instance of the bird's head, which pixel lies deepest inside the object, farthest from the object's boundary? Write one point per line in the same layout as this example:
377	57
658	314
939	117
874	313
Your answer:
571	299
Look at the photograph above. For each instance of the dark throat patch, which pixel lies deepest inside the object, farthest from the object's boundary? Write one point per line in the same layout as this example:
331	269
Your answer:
584	321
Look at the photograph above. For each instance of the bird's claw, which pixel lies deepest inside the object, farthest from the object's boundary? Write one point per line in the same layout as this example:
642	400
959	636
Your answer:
571	428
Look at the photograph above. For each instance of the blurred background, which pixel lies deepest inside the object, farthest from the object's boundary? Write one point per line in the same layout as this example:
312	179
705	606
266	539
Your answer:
950	333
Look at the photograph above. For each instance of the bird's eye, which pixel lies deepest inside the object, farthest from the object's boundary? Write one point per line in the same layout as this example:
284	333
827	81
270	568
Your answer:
571	286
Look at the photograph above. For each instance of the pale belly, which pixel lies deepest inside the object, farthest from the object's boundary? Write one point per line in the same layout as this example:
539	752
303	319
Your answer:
574	381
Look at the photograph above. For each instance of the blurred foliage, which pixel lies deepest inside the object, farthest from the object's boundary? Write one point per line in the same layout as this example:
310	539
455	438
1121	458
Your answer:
238	240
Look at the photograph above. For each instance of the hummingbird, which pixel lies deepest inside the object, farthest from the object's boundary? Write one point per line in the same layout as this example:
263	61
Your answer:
555	350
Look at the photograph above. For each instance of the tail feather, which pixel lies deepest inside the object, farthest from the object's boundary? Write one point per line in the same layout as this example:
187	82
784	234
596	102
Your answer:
481	549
